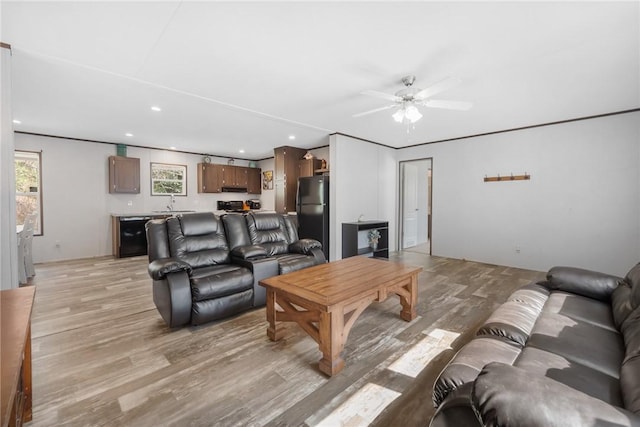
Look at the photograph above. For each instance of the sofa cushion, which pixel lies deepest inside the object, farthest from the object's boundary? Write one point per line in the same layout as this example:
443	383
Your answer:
633	279
198	239
575	375
291	223
504	395
268	230
293	262
219	281
533	294
512	320
577	341
581	308
621	304
631	333
304	246
219	308
583	282
630	383
468	362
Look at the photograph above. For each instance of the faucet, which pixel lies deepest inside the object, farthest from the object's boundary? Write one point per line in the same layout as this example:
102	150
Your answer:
171	202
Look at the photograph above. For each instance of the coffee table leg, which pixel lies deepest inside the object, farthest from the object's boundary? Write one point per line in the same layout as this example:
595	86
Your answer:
331	327
273	332
408	312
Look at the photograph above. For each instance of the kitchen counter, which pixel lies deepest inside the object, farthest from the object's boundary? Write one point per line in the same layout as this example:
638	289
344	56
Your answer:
160	214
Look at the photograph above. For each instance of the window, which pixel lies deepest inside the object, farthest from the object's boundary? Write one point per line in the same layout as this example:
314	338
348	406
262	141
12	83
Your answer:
168	179
28	187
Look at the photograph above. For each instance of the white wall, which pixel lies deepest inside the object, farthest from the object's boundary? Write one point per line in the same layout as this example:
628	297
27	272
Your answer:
363	183
8	240
580	208
77	206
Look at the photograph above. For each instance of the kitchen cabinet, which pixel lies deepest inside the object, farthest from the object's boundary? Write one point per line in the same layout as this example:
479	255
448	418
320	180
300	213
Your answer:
254	181
287	171
309	166
210	178
214	178
124	174
234	176
355	239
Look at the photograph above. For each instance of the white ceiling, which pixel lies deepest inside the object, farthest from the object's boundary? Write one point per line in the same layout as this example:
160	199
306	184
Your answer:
232	75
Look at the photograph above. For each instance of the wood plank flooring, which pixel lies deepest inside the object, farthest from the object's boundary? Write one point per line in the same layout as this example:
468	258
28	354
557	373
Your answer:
103	356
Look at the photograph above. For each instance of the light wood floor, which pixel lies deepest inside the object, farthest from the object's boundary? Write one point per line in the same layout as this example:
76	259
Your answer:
103	356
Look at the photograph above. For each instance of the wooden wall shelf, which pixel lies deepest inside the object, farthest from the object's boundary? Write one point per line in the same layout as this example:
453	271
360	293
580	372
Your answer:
511	177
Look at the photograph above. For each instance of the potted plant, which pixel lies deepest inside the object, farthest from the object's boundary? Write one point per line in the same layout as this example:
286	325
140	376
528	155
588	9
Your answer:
374	237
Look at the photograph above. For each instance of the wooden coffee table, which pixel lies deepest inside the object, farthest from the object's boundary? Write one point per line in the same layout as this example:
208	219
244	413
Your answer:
326	300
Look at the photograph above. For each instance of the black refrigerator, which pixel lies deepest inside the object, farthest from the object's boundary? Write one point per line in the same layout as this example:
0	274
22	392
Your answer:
312	207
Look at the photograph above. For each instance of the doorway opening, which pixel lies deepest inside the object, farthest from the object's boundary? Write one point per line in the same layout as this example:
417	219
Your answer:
415	234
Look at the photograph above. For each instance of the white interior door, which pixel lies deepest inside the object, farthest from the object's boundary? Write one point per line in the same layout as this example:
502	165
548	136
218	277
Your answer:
410	206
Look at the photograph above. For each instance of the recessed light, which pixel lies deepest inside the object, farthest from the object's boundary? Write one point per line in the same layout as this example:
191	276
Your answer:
172	148
18	122
128	134
292	137
241	150
156	108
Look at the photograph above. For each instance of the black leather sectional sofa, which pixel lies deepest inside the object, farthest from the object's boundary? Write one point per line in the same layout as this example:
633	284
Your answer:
563	352
206	267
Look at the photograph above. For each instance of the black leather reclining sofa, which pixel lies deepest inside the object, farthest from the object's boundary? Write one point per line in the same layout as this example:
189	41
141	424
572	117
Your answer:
206	267
562	352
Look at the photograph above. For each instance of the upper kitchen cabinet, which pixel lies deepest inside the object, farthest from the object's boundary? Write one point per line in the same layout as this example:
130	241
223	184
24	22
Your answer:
124	174
216	178
254	181
209	178
308	167
234	177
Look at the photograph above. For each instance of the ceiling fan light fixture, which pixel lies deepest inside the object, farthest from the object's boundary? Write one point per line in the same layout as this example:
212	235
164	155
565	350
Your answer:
412	114
398	116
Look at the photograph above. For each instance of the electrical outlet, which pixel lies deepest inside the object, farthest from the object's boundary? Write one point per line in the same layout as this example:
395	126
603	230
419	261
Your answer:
58	244
130	203
518	249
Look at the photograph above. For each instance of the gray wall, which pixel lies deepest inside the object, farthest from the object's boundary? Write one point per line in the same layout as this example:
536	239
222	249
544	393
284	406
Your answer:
581	206
8	239
77	206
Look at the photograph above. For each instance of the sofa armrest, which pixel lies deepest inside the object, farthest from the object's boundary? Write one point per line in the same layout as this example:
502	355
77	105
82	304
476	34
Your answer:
172	297
304	246
504	395
159	268
261	268
587	283
249	252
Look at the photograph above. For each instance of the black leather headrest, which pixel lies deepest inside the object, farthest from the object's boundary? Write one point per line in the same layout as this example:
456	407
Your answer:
200	223
266	221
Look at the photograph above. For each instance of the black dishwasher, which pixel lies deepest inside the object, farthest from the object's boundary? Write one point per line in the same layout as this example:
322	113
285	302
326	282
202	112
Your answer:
133	237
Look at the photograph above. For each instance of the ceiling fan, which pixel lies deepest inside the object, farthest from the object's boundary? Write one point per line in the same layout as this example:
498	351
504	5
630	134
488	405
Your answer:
406	100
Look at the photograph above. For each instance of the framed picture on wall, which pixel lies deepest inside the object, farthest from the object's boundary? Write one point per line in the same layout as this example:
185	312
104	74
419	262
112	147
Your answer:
168	179
267	180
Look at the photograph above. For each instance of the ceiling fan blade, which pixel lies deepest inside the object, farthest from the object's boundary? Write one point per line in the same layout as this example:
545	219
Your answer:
382	95
450	105
435	89
374	111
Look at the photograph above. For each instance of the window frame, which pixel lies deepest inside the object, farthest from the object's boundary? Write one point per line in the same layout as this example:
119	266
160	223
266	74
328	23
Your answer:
40	219
168	166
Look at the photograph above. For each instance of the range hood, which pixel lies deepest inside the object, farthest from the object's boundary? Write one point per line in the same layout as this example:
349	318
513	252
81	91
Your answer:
234	190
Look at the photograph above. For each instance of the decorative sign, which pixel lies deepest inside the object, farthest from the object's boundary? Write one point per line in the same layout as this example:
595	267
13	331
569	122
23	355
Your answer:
267	180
